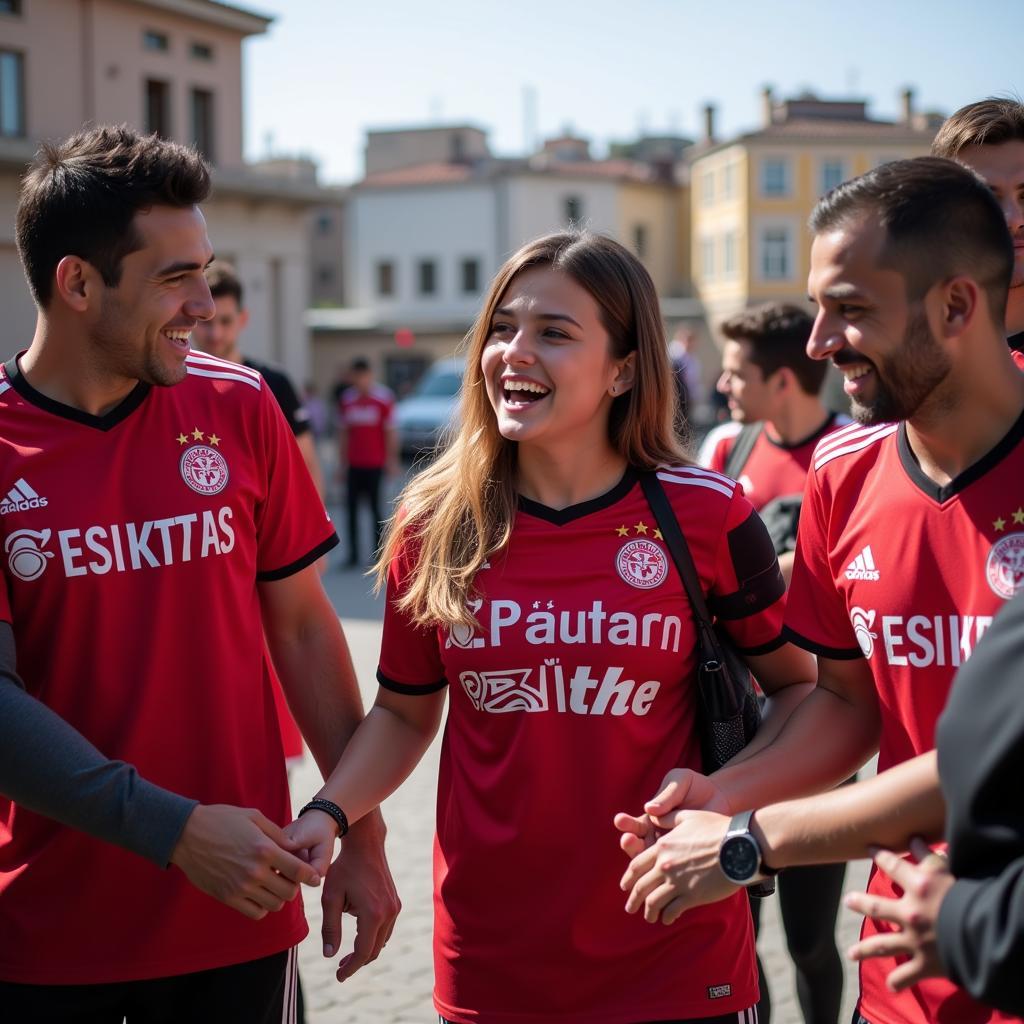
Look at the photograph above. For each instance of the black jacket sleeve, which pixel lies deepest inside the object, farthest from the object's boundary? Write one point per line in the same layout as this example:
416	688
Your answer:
48	767
981	765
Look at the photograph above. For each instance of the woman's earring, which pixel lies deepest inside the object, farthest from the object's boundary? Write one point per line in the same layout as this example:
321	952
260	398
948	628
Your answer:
615	389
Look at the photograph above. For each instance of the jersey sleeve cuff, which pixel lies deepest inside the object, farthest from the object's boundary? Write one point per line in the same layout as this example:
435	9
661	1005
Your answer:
410	689
154	832
269	575
765	648
837	653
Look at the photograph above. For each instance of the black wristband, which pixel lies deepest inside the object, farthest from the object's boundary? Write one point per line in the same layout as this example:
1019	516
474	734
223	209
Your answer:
332	810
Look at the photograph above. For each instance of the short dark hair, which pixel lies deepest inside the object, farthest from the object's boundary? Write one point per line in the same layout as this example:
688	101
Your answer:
223	280
940	219
79	197
360	364
777	334
988	122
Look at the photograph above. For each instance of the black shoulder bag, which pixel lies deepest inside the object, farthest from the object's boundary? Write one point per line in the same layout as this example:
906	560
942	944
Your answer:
728	713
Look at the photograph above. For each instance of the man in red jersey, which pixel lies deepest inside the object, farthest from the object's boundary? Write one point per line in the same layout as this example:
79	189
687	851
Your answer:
150	534
777	421
369	447
910	268
988	136
777	416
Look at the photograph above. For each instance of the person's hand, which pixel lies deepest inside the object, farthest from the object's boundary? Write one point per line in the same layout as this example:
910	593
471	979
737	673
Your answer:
360	883
679	869
915	913
685	789
313	835
240	857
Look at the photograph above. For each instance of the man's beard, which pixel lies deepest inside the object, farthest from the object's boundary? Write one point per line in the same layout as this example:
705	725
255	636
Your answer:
905	381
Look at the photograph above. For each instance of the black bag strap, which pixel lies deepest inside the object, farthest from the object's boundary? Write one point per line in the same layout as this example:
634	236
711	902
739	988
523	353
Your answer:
741	449
710	651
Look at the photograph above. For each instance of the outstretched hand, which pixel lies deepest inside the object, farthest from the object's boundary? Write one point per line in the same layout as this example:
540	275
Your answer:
915	914
241	858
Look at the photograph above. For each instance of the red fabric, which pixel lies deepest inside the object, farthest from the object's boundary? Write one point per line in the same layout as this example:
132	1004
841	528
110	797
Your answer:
529	920
1018	358
366	420
154	652
772	470
911	580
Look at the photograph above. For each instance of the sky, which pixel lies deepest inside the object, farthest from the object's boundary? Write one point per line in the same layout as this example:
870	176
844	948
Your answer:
327	70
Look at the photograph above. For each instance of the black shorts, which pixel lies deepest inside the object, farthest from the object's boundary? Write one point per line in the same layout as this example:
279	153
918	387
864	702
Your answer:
256	992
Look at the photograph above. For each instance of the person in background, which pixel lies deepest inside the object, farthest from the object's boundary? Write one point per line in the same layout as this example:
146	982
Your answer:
368	448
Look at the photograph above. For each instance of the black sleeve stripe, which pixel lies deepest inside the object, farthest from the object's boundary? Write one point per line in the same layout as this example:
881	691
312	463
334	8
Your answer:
407	689
756	569
838	653
772	645
269	575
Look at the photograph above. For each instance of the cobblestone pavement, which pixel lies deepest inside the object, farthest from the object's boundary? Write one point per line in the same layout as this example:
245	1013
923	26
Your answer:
396	988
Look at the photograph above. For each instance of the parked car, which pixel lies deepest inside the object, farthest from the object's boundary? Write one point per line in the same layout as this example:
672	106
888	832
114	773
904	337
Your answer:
431	406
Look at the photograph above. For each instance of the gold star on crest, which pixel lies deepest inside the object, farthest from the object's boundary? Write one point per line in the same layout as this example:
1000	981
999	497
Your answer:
1018	516
999	525
622	531
657	535
197	434
640	528
181	439
214	440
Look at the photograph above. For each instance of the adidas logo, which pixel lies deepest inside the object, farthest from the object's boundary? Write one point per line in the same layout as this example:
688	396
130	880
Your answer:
863	567
20	498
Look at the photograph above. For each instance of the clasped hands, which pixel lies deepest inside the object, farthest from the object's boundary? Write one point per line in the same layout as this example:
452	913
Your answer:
673	848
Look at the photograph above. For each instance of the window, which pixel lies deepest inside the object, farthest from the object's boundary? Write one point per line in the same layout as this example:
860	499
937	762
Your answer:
457	150
774	177
10	6
640	240
574	209
426	273
729	265
729	181
832	174
470	276
12	94
201	51
158	107
776	259
385	278
707	188
324	224
707	258
155	41
202	122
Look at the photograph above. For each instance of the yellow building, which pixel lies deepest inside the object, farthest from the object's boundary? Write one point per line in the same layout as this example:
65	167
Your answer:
750	197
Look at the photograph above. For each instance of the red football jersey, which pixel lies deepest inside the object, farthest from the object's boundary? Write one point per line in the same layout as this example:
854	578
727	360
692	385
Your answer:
773	469
896	569
366	420
568	704
133	543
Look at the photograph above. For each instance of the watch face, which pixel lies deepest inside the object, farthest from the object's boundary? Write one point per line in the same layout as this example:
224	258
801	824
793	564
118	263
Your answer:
740	859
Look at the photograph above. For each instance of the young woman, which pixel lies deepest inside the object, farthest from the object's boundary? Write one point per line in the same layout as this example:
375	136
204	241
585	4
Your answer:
526	574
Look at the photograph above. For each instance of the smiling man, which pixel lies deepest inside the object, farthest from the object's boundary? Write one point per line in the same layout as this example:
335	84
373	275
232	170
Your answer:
909	538
150	532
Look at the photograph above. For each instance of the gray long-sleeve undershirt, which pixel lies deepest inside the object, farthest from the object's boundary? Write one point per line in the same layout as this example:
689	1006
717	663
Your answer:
47	766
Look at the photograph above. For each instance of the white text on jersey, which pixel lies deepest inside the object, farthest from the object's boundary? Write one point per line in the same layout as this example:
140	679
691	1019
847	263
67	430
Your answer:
153	543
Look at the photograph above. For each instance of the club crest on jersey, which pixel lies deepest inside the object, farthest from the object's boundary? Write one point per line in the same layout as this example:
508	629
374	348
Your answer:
25	555
642	564
862	621
202	466
1004	568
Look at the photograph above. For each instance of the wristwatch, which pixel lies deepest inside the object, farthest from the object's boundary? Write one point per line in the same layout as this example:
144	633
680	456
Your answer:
739	856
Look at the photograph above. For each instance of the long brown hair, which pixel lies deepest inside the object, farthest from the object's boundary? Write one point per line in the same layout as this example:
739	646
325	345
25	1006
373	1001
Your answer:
460	509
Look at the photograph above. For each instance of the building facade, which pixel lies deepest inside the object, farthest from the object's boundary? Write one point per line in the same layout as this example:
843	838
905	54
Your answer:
751	196
423	240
